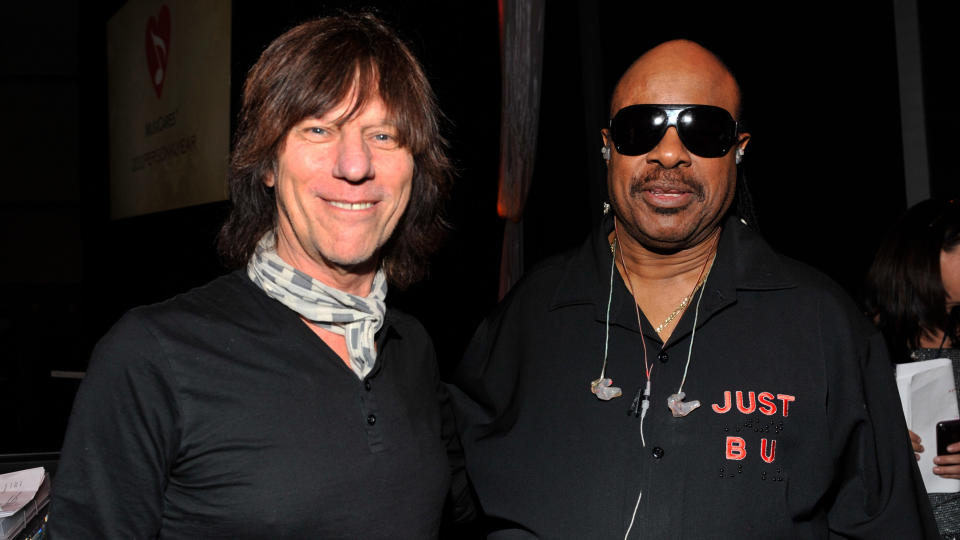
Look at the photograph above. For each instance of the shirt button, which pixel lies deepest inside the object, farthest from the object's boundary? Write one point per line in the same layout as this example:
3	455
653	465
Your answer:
367	385
372	419
657	452
663	357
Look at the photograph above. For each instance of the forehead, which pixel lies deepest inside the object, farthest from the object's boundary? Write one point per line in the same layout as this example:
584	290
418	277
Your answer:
681	73
358	102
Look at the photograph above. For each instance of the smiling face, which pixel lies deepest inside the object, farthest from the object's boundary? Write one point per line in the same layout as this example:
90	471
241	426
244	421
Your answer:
341	188
670	199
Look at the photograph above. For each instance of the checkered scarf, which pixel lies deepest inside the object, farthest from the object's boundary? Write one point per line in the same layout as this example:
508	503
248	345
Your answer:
354	317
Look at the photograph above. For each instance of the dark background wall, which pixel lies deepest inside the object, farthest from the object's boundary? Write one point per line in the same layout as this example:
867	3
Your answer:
825	162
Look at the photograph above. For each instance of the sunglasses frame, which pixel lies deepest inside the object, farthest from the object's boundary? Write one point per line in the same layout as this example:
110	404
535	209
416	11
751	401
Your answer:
673	113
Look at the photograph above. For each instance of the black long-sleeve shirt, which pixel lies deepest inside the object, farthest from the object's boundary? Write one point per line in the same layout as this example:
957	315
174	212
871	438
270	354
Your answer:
219	414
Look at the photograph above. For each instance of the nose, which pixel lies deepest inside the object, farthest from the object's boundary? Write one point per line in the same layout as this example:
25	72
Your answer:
353	162
670	151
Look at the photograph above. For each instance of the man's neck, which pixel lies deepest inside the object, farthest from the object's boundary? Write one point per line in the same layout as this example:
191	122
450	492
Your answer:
662	284
356	280
648	267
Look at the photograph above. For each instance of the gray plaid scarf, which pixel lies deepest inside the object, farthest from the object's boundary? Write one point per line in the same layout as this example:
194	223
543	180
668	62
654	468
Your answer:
354	317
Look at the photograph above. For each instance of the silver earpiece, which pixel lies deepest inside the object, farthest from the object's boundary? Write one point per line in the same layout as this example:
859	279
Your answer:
603	388
605	152
739	155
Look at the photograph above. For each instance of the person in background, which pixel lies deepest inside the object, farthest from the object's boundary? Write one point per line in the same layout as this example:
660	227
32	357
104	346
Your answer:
285	400
913	295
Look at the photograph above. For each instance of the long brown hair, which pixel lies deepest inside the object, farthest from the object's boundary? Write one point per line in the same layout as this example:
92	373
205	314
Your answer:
904	291
306	72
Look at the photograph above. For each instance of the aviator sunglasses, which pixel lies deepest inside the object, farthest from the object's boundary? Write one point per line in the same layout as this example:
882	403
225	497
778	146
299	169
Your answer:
704	130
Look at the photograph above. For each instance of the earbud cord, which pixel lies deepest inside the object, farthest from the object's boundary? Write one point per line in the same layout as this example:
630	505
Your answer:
693	333
634	515
606	339
645	404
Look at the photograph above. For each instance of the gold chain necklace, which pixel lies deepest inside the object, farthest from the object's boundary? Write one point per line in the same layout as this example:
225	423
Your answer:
686	299
673	315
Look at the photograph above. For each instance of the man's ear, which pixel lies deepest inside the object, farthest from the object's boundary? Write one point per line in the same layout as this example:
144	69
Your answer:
605	150
742	140
741	148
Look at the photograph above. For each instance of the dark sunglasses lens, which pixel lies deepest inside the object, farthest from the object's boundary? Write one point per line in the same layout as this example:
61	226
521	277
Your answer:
637	129
707	131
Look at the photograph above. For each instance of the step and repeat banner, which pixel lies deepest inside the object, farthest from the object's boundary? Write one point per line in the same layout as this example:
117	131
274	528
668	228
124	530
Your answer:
169	104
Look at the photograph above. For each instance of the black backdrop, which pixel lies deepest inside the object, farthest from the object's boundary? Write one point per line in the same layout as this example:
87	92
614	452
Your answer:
825	161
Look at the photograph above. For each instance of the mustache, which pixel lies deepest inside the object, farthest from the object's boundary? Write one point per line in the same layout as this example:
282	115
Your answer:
667	180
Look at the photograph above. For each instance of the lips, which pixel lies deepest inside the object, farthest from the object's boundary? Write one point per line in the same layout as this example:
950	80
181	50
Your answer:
666	184
667	199
667	191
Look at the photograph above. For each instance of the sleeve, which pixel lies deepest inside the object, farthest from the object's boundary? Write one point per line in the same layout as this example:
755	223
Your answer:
485	381
878	492
461	503
121	440
481	392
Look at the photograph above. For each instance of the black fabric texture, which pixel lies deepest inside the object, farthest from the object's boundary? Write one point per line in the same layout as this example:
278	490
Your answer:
820	451
219	414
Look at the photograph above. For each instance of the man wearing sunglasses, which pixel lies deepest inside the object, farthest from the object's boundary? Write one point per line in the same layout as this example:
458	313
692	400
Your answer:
740	393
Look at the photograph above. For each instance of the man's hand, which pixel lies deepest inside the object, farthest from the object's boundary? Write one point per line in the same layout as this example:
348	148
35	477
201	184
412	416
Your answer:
948	466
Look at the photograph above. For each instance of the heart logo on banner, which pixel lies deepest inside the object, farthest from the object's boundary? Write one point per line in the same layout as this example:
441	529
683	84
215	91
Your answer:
158	47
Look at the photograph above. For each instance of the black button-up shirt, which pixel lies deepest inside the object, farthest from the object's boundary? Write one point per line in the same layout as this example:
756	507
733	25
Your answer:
799	434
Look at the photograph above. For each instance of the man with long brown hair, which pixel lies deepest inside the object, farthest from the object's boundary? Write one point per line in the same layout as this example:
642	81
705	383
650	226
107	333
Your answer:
285	399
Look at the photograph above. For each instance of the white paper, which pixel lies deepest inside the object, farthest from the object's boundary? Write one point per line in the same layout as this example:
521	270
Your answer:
18	488
929	395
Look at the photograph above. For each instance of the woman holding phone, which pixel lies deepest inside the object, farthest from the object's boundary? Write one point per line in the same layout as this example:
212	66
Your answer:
913	295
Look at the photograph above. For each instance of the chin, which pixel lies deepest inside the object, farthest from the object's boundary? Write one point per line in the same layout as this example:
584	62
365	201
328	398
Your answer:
348	260
667	238
353	257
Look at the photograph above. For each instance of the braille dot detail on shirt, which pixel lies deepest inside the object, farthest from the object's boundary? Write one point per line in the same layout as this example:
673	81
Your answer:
657	452
663	357
372	419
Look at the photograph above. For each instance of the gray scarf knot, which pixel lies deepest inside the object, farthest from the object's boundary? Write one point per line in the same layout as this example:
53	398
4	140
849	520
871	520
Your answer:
356	318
